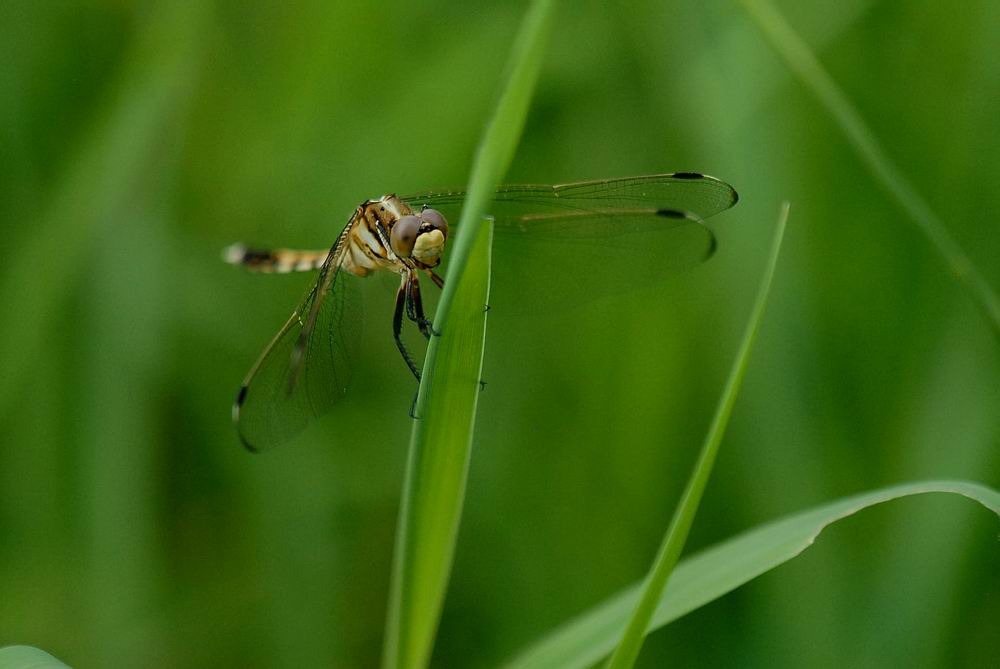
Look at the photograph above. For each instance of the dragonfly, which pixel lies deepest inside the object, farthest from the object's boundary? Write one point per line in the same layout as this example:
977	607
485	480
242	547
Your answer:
646	224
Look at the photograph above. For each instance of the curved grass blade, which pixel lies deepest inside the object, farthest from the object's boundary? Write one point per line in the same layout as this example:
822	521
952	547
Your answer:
27	657
804	64
712	573
441	440
673	542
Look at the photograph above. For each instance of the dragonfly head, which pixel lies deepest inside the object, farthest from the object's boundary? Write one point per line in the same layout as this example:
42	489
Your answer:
421	237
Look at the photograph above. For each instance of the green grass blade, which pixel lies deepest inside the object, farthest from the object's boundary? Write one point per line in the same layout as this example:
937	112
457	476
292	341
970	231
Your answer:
437	468
804	64
718	570
27	657
680	525
441	441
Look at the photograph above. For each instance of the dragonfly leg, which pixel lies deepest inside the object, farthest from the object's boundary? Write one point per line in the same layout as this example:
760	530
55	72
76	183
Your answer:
417	306
411	307
397	325
438	281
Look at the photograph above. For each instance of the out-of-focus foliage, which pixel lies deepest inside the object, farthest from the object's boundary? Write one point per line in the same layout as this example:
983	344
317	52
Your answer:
138	139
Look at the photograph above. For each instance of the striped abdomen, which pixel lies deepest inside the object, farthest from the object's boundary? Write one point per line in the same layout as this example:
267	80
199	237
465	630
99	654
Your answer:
279	261
363	246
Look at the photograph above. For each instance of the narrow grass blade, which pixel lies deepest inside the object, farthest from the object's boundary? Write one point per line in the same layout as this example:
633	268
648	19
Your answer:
438	463
718	570
680	525
27	657
446	402
804	64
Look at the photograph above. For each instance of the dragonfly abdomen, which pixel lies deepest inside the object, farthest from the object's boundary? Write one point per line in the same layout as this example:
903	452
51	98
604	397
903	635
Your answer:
278	261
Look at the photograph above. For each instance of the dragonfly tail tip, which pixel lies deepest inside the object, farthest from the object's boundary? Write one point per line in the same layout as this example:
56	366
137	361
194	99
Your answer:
234	253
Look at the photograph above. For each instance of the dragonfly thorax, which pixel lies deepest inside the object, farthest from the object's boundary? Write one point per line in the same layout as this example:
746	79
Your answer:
387	234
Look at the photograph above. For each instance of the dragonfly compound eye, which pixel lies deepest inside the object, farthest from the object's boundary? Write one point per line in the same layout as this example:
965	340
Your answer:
403	235
435	219
429	245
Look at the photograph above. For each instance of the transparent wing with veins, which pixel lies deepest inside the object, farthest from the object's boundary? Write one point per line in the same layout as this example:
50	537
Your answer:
610	206
572	242
306	368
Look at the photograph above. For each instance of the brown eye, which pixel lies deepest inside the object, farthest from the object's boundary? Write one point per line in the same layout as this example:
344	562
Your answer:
435	219
403	234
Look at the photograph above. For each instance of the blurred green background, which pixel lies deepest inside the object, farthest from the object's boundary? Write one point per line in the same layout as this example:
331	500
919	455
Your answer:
139	138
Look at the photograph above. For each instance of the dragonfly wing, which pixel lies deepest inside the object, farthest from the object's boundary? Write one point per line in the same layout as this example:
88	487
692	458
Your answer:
599	255
698	195
594	238
306	368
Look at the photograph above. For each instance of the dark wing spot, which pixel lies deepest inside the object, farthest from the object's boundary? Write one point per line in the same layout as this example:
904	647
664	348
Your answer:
241	397
670	213
688	175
